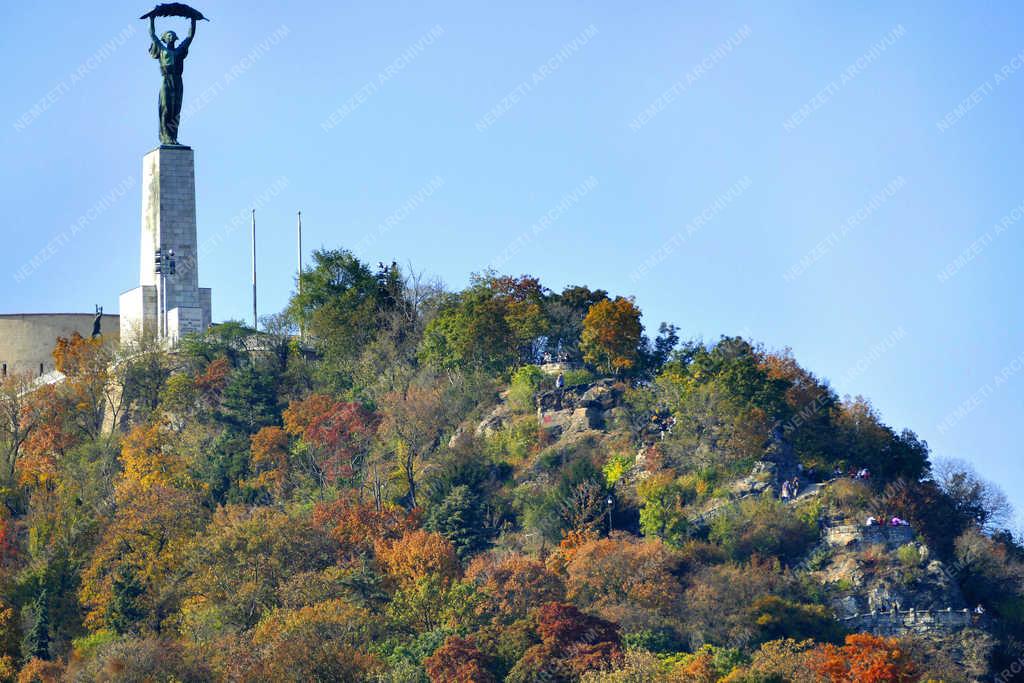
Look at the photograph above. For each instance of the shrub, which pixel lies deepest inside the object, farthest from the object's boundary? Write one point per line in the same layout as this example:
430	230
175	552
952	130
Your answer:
617	466
909	556
851	497
515	442
762	527
874	557
661	640
575	378
526	381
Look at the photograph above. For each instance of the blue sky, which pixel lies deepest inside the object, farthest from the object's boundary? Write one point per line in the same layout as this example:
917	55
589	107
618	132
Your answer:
842	181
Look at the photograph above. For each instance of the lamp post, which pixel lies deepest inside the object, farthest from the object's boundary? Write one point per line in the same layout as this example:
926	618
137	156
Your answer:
610	502
165	265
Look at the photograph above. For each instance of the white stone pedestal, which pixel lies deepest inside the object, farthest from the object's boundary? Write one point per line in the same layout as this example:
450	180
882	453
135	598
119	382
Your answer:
167	306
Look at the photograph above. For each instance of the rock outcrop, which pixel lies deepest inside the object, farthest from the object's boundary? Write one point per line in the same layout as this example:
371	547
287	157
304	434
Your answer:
576	410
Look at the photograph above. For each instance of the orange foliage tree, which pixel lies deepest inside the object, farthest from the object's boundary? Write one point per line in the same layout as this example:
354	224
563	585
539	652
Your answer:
626	580
611	335
321	642
357	525
48	419
146	542
269	449
85	364
865	658
515	585
18	418
416	555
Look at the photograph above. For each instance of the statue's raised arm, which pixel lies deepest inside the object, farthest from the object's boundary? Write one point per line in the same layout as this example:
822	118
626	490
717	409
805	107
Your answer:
191	34
156	40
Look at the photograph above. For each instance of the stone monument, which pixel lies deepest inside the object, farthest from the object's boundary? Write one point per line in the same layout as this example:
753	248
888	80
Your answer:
168	303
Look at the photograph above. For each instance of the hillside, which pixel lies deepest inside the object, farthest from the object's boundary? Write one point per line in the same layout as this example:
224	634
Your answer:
395	482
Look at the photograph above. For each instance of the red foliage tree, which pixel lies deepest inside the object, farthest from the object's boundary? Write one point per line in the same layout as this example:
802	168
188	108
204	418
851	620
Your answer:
337	435
458	661
572	643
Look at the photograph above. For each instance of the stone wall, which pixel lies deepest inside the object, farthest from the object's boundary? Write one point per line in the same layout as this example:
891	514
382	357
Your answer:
27	339
889	536
900	623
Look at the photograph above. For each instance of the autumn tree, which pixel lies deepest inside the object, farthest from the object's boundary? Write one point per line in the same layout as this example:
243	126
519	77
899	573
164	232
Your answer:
763	527
611	335
37	670
865	658
812	407
572	643
625	580
725	404
246	555
135	658
321	642
357	525
269	461
868	442
416	555
458	661
86	364
413	422
566	312
335	437
18	418
156	515
785	660
51	428
719	597
515	585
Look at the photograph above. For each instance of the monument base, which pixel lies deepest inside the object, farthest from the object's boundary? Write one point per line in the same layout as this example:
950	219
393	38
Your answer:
140	316
169	303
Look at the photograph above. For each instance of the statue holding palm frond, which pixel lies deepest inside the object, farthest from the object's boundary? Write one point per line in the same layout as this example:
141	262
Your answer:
172	63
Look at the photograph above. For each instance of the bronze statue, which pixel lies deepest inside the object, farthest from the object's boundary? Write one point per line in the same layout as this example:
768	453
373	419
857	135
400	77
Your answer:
97	323
172	62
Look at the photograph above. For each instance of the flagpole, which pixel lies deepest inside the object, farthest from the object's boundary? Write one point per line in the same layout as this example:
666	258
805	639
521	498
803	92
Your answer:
298	228
255	321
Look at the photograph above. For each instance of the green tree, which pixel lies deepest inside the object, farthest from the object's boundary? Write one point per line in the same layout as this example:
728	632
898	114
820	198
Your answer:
663	514
250	400
36	643
124	612
342	306
566	312
460	518
495	324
